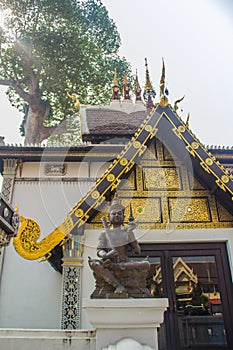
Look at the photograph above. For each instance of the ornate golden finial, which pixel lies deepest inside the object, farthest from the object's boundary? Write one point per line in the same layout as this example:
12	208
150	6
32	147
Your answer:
187	121
162	79
178	101
74	98
148	85
163	97
137	88
149	92
115	87
126	88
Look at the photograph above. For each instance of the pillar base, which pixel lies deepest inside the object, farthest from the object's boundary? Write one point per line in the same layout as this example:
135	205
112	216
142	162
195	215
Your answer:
115	319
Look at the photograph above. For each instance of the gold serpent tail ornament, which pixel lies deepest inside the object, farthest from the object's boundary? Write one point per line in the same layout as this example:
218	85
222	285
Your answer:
26	244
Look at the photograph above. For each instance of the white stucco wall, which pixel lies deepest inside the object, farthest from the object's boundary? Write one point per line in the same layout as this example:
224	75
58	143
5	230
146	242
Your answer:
30	292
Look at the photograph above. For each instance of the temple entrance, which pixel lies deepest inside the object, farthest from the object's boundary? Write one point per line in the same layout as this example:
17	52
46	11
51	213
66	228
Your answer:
196	279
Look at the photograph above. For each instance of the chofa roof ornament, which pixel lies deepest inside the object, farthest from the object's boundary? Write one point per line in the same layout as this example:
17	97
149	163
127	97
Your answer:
163	98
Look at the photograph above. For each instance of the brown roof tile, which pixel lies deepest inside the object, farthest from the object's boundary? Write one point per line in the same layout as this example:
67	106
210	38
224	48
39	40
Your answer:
112	122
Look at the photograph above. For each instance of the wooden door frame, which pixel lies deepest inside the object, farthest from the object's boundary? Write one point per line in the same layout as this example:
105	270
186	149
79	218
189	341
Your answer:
217	249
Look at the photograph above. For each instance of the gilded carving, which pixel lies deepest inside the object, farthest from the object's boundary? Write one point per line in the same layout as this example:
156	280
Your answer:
189	209
26	244
161	178
145	210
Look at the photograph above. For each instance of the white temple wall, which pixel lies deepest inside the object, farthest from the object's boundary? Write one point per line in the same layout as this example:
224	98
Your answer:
30	292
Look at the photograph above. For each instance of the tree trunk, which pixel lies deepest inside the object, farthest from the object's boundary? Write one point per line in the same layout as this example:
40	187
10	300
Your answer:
35	131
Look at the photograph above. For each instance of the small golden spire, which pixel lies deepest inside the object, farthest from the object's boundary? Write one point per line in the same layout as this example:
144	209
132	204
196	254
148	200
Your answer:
149	92
163	98
115	87
137	88
162	79
148	85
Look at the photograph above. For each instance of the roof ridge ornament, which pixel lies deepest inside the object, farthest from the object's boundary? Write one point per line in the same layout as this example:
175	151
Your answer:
163	98
75	99
178	101
115	87
126	88
149	92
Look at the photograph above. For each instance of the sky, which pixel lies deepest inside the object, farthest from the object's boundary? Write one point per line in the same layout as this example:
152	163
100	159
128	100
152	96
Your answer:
195	39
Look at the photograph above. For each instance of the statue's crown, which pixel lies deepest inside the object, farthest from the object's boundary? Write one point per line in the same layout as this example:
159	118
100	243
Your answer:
116	204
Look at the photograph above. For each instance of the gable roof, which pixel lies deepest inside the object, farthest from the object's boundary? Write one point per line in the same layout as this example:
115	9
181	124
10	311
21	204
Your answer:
180	141
172	131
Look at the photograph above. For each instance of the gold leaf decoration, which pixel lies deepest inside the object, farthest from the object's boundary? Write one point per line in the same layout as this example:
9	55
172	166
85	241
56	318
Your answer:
26	244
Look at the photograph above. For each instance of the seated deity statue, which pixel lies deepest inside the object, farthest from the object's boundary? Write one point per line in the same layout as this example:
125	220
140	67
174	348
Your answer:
116	276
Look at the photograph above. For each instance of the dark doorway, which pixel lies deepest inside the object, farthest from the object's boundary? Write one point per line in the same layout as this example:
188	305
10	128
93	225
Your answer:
196	279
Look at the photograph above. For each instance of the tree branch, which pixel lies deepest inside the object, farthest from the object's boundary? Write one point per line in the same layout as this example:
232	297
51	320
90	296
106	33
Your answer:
12	83
45	132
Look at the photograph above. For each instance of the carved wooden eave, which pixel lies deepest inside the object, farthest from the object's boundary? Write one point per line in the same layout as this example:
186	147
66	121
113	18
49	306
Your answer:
164	124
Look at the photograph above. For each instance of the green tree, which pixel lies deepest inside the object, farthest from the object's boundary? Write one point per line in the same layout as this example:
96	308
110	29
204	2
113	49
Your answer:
51	47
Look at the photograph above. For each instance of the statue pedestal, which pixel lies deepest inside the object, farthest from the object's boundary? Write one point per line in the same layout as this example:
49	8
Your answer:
115	319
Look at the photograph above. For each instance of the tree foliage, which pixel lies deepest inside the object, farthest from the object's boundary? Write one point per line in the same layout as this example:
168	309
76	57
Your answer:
50	47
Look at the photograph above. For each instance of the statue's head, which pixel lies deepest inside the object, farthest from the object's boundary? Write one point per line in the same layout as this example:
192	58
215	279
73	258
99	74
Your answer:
116	212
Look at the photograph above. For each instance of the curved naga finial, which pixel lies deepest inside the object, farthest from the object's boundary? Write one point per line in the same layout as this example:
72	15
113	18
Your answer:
26	244
74	98
178	101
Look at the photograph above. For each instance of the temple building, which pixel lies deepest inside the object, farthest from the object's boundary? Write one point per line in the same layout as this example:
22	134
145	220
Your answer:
178	190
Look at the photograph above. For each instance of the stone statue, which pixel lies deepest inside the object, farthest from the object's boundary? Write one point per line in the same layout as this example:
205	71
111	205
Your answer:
116	276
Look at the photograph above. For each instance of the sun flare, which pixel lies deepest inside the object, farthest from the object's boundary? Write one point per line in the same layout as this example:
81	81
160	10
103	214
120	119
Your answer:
2	19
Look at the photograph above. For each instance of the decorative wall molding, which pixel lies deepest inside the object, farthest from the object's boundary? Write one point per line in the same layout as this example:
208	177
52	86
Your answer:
55	169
